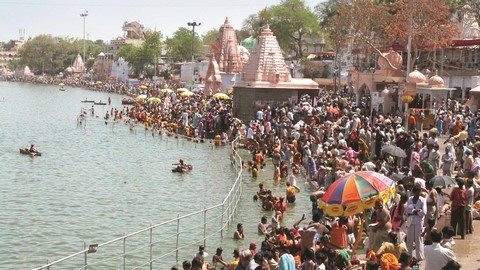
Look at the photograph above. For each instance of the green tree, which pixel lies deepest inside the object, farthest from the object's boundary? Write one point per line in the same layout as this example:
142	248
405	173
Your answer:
242	34
51	55
179	47
210	37
291	22
38	54
141	59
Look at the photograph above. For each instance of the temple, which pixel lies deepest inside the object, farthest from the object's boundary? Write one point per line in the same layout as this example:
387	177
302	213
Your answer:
227	61
266	79
227	55
78	65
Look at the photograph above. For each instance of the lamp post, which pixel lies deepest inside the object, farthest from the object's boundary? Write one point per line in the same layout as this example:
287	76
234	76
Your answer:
409	53
193	24
84	15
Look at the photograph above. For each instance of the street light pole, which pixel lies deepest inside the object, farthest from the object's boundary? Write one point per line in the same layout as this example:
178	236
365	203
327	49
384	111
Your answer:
193	24
84	15
409	53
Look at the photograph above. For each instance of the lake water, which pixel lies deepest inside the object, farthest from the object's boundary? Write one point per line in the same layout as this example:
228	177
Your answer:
95	182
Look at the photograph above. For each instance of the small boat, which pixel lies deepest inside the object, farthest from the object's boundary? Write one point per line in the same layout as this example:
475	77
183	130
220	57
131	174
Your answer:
25	151
128	101
179	169
62	88
90	101
100	103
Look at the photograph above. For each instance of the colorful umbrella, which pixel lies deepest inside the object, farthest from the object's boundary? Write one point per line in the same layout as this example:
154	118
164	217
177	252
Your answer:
141	96
166	90
186	94
154	100
221	96
356	192
182	90
143	86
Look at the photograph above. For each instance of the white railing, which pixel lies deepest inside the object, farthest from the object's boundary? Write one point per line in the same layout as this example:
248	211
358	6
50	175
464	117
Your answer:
160	244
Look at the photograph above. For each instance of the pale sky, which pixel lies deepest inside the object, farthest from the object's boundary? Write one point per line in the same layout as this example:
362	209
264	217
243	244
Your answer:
106	17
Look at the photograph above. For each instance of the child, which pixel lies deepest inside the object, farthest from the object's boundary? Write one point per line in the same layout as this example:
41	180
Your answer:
447	237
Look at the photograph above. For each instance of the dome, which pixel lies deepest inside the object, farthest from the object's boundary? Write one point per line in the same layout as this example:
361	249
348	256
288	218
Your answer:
69	69
101	54
392	56
248	43
436	81
417	77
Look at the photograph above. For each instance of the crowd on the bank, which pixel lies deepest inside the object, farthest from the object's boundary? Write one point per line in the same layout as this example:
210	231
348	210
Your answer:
325	137
322	138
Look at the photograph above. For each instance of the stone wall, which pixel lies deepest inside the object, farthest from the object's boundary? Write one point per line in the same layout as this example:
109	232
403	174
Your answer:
247	101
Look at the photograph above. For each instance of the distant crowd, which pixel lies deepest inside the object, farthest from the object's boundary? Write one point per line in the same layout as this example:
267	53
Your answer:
321	139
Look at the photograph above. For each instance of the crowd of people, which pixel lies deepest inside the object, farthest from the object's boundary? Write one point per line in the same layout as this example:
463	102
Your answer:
321	139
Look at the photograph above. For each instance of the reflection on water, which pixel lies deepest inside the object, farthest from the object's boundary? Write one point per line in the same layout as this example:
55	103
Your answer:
94	183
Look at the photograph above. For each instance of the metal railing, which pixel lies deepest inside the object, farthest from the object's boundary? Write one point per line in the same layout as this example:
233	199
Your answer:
160	244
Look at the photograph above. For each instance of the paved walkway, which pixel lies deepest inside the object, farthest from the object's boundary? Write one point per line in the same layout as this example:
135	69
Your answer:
466	250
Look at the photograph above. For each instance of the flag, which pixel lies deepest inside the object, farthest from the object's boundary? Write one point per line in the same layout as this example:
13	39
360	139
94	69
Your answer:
214	47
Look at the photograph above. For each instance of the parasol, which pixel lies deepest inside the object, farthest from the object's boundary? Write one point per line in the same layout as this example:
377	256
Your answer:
221	96
166	90
442	181
186	94
182	90
394	151
356	192
141	96
154	100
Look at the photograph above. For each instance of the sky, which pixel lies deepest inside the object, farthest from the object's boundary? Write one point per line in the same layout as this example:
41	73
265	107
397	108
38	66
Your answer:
106	17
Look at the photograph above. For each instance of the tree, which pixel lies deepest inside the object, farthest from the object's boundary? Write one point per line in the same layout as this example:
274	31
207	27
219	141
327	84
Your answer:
142	58
210	37
179	47
242	34
38	53
291	22
254	23
327	10
51	55
313	69
9	45
432	28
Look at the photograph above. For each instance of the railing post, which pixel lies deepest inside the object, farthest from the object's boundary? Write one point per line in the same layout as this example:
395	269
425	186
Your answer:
124	251
228	209
85	256
204	227
221	224
151	247
178	236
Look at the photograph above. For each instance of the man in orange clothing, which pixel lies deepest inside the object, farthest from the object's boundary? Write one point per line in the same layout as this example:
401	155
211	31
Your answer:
412	122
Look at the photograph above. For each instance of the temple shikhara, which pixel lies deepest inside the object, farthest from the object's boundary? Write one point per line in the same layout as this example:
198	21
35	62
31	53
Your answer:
227	60
266	79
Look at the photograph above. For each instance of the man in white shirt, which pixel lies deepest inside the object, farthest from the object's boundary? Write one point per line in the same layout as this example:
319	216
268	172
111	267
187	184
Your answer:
250	133
436	256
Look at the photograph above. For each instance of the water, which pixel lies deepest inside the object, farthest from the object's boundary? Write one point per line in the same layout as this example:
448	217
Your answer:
94	183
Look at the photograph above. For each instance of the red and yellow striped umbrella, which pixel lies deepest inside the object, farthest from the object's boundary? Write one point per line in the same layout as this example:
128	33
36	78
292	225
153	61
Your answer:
356	192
